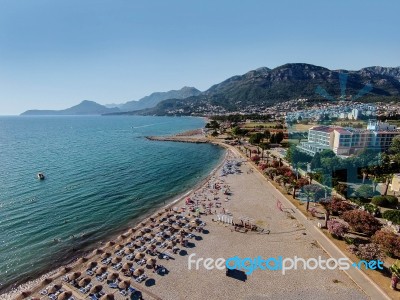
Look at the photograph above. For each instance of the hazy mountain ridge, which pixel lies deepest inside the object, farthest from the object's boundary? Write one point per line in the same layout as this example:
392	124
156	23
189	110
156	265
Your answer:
86	107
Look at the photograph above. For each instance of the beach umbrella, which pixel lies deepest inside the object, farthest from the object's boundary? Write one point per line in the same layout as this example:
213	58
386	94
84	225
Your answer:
65	270
116	260
139	255
106	255
143	231
152	225
107	297
171	244
127	265
139	243
109	244
54	288
124	284
64	295
153	246
138	272
112	276
24	294
96	289
132	230
176	226
121	237
143	224
160	239
101	270
46	281
139	234
97	251
84	282
159	213
151	261
118	247
91	264
74	276
128	251
82	260
131	239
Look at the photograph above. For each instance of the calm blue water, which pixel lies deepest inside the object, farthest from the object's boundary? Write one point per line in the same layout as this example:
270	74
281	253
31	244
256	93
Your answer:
101	174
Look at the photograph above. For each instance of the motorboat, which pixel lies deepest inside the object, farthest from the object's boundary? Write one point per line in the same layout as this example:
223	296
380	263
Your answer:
40	176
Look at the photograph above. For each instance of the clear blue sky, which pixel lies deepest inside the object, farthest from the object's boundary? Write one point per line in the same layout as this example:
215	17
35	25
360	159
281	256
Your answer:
53	54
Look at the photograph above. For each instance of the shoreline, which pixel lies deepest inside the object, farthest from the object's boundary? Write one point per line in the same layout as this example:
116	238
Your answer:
14	289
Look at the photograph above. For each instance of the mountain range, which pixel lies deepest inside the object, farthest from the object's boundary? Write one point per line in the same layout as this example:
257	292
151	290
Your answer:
87	107
264	87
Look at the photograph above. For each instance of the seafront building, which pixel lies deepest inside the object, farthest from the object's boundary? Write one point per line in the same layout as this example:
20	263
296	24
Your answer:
348	141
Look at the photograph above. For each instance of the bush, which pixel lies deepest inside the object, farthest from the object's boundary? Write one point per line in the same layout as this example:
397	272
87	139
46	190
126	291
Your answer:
367	252
392	215
365	192
337	228
388	241
380	201
385	201
362	221
393	201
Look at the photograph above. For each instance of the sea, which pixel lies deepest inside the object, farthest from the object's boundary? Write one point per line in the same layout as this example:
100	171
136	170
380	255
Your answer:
102	175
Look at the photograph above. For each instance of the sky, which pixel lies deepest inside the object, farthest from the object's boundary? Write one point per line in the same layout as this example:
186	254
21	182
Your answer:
54	54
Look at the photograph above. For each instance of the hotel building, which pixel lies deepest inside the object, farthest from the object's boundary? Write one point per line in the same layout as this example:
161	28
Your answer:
348	141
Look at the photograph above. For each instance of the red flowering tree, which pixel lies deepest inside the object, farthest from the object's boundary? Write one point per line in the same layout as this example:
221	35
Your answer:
388	241
362	221
337	228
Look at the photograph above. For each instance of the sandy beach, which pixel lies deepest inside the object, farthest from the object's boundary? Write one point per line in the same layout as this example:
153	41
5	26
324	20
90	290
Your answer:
234	192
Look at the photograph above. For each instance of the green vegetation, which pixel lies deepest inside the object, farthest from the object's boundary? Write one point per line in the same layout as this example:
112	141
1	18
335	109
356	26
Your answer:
392	215
385	201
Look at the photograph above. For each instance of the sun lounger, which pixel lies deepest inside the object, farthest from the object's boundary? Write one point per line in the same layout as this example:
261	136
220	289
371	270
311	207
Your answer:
123	292
89	272
113	285
43	292
131	290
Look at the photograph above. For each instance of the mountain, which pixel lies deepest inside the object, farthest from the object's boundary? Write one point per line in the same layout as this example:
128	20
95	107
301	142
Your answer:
155	98
393	72
86	107
264	87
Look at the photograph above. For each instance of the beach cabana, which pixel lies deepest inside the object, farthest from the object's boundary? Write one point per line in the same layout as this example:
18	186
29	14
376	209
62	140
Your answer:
23	295
64	295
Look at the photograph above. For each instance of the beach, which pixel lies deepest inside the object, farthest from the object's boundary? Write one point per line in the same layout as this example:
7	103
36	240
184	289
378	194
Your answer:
232	196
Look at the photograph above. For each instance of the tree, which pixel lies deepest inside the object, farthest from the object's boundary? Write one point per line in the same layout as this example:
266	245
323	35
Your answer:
298	184
362	221
256	138
279	137
388	241
365	192
313	192
316	161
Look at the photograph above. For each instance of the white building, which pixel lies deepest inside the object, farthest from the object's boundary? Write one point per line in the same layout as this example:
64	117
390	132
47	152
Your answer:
348	141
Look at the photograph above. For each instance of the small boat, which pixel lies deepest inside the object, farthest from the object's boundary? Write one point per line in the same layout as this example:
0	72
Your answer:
40	176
